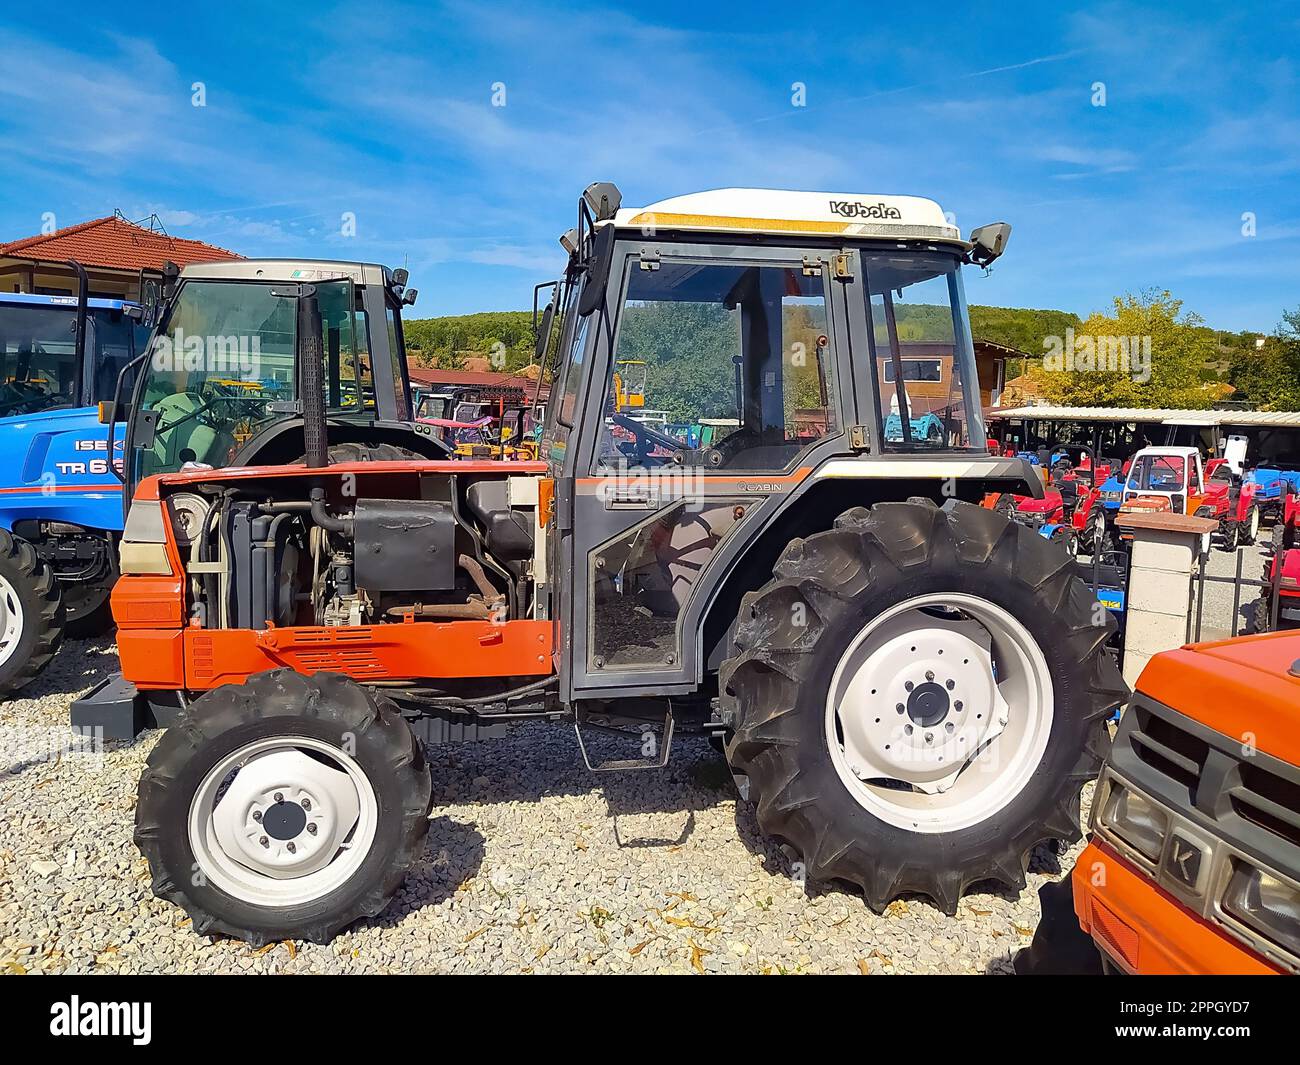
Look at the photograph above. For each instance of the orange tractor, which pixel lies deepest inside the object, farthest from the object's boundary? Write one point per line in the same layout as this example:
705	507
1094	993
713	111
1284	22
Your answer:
910	689
1194	861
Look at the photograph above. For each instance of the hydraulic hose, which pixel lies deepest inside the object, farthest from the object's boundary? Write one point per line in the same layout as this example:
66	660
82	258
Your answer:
327	521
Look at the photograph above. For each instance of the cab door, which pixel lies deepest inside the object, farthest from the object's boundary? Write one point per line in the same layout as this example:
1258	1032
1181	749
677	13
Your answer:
1195	483
749	343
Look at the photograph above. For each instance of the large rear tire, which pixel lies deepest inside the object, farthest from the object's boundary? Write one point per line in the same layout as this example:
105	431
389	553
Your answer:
350	452
31	613
287	807
822	697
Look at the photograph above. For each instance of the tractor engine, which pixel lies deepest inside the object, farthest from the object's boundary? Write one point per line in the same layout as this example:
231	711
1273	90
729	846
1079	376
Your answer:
352	567
282	562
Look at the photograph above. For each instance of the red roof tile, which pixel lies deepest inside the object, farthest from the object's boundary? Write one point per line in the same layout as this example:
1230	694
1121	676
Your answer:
115	244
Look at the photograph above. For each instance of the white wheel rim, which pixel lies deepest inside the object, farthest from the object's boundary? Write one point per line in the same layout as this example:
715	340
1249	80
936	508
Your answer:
11	620
1254	522
977	704
294	823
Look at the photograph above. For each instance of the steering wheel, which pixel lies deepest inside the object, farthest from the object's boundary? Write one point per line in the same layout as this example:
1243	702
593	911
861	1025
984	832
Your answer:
24	395
646	438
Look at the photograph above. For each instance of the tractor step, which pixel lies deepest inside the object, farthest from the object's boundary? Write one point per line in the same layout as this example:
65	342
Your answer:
656	758
121	710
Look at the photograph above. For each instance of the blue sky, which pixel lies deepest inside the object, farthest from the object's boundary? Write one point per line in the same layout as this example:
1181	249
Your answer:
386	111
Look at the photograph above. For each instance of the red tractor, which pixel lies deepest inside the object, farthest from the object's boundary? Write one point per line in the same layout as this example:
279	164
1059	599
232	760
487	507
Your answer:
1231	500
1174	479
1070	512
1279	605
911	690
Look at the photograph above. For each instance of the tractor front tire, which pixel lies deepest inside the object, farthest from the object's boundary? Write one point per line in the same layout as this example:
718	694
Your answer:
1232	534
286	807
866	645
92	614
1261	614
31	613
1248	530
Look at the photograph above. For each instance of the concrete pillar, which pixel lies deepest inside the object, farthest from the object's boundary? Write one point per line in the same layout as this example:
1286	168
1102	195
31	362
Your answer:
1165	548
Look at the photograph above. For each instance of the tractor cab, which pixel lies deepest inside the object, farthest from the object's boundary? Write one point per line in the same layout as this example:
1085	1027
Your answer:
221	383
42	365
1164	479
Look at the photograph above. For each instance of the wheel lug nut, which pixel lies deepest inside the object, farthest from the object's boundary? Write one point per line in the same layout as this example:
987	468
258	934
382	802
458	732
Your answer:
951	684
257	816
950	726
929	737
901	708
279	796
311	830
907	729
264	842
291	848
306	804
907	686
957	705
929	674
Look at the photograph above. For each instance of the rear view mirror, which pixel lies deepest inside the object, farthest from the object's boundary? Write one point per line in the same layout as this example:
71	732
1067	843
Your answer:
544	334
989	242
602	254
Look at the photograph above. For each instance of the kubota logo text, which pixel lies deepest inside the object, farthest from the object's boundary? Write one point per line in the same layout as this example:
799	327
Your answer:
858	209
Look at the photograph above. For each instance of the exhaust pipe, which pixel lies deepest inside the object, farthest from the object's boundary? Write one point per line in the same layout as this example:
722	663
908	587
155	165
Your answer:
311	371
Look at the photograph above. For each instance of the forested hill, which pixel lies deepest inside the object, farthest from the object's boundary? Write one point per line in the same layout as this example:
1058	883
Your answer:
448	341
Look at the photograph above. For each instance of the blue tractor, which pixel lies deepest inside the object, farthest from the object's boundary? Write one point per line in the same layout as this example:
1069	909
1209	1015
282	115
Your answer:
60	498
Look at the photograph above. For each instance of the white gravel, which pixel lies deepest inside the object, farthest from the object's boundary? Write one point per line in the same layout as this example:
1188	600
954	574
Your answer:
1216	622
532	865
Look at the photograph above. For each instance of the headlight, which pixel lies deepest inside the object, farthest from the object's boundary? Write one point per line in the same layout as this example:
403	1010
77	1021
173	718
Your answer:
1265	904
1110	497
1137	821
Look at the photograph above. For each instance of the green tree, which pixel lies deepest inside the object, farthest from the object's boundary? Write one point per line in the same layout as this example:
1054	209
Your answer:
1269	377
1148	353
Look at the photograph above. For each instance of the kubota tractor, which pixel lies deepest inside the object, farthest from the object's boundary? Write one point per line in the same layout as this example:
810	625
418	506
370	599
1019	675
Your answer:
910	688
1194	861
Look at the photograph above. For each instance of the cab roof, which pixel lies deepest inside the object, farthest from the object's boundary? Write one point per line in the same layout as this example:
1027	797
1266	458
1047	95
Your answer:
289	270
848	214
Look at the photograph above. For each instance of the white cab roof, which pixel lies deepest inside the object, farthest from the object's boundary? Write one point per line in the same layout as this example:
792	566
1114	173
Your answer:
849	214
289	270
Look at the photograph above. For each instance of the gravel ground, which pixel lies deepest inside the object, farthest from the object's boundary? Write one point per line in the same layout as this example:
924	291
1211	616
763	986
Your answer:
532	865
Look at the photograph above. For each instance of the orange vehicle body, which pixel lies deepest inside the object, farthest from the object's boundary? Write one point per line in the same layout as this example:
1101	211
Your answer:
1248	691
160	650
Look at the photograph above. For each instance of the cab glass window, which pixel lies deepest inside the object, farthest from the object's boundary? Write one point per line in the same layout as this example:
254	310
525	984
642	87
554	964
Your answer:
924	362
38	364
719	366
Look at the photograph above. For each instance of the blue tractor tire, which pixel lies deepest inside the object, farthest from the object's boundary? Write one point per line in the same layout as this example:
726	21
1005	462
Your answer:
31	613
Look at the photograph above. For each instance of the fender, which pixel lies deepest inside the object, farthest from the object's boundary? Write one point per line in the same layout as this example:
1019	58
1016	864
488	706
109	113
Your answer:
281	441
